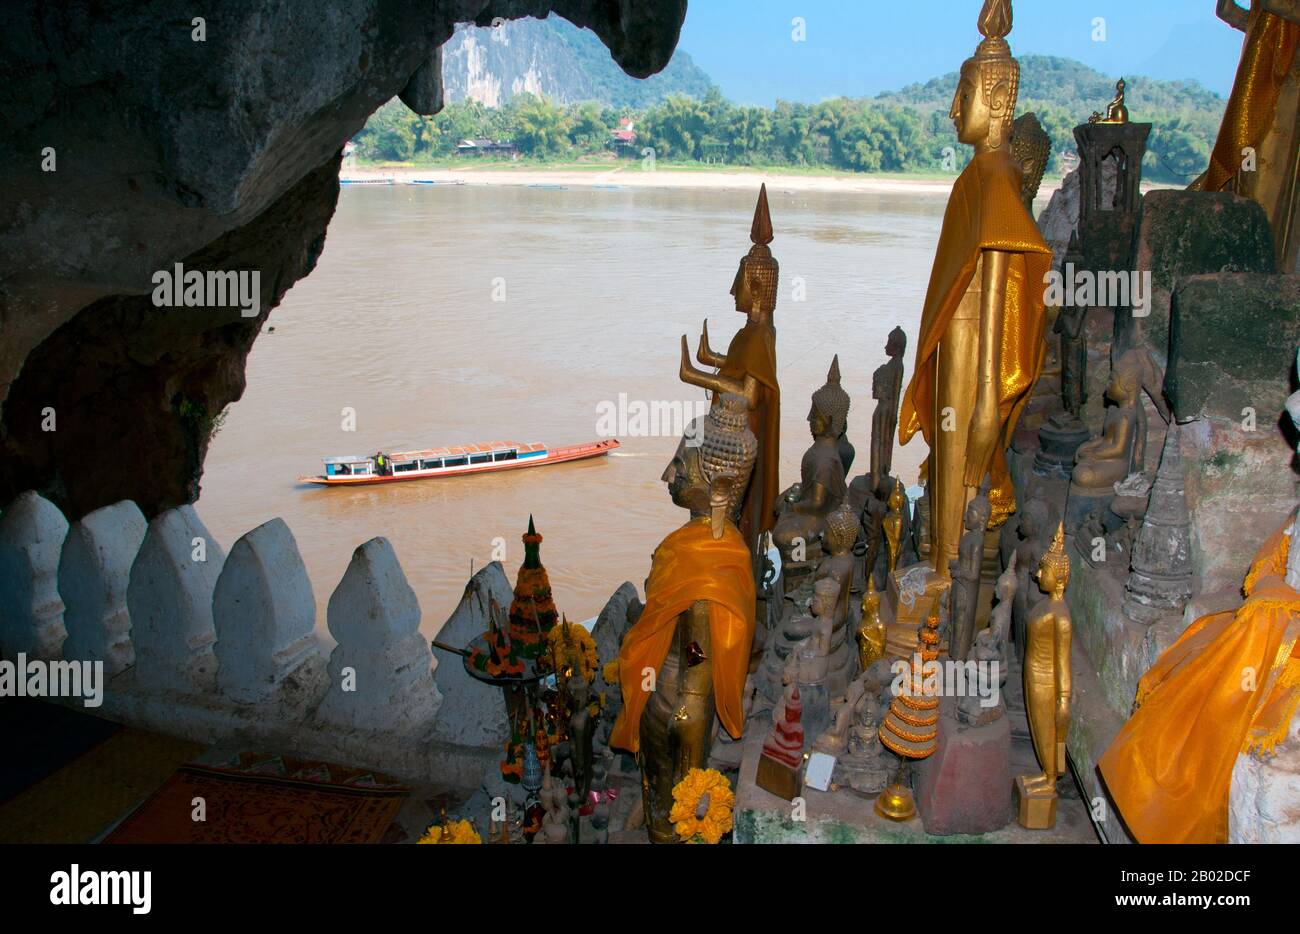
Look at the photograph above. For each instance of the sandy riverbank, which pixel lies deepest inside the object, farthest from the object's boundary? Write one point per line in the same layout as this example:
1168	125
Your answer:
632	176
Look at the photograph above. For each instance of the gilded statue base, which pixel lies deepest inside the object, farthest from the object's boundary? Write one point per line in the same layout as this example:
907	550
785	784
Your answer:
778	778
909	598
1035	809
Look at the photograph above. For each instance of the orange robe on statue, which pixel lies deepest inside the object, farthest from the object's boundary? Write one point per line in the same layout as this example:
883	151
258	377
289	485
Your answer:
689	565
753	352
1230	684
1266	58
984	213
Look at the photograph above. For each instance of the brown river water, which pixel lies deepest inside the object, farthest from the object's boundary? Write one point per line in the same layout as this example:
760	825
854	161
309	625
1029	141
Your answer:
399	323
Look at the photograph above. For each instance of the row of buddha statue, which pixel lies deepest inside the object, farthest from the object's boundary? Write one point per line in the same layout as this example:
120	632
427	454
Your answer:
808	652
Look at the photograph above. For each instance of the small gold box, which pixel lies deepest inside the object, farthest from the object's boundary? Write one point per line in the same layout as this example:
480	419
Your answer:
778	778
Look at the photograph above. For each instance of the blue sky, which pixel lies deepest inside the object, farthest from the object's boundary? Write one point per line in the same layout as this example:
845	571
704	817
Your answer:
863	47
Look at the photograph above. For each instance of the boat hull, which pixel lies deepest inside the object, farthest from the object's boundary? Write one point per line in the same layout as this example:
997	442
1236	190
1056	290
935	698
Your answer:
561	455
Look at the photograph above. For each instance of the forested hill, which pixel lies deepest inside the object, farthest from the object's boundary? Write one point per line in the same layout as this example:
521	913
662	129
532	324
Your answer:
554	93
552	58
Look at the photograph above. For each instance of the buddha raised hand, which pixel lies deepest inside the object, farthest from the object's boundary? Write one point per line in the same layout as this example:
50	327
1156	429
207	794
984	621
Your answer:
748	369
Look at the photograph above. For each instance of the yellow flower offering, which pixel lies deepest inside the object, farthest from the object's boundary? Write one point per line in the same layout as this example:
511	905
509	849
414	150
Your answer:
696	818
457	831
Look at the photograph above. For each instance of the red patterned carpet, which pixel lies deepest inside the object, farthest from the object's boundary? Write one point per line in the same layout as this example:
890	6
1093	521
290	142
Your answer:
267	799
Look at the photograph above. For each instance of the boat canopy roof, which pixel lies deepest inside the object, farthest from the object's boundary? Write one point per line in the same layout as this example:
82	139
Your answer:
458	450
348	459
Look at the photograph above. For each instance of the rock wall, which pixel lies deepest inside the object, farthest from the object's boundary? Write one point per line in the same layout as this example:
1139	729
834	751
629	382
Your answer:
130	145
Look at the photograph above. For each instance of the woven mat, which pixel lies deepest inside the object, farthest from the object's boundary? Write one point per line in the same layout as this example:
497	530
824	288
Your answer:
259	798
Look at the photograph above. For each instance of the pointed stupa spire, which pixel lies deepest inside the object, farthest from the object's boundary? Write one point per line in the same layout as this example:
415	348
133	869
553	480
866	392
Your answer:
761	230
1160	576
531	528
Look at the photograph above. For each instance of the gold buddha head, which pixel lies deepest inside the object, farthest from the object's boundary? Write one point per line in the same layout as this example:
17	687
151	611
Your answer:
714	459
985	100
829	415
841	530
756	279
897	498
1054	568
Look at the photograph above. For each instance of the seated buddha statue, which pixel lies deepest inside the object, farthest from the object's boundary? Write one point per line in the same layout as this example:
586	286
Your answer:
841	534
1104	461
687	656
1116	110
802	511
1169	769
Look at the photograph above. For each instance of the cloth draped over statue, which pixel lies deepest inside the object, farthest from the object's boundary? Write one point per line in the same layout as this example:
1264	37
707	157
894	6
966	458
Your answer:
1266	58
753	352
984	213
690	565
1230	684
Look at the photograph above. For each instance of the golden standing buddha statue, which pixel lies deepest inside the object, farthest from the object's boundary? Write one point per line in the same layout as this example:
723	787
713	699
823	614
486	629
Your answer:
981	344
1047	688
687	656
748	369
893	524
871	631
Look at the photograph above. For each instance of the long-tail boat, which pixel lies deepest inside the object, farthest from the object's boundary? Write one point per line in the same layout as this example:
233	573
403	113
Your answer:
384	467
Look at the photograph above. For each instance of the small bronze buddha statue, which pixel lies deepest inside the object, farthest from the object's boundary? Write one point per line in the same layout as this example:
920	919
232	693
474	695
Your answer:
1104	461
1116	110
822	486
965	571
687	656
1047	688
887	390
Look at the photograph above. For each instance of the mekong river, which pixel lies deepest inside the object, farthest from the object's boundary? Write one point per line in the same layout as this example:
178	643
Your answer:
399	323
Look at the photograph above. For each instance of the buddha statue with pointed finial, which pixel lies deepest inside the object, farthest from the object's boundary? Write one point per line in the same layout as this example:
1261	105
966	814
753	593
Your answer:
748	369
980	348
822	487
965	572
1047	687
687	656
